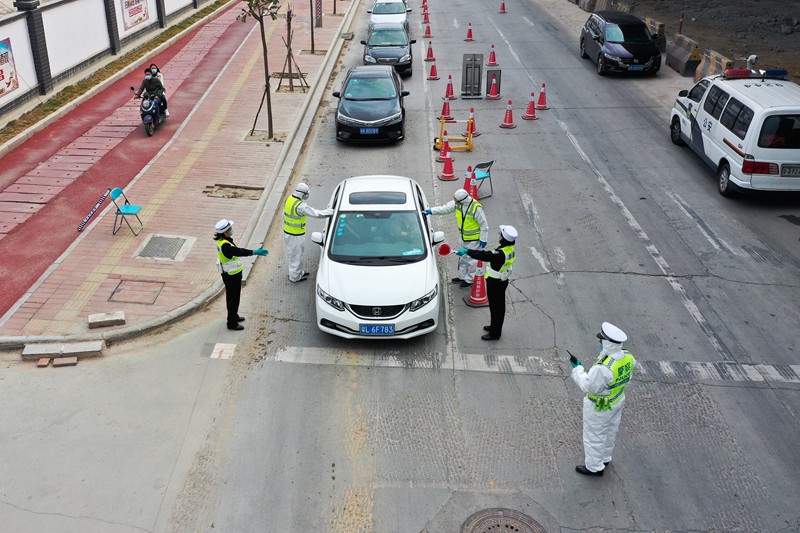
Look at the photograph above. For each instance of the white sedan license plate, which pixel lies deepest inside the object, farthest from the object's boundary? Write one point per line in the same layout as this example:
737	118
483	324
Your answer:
790	171
377	329
369	131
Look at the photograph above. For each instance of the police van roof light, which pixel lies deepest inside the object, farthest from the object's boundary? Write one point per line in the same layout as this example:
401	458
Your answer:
776	73
736	73
743	73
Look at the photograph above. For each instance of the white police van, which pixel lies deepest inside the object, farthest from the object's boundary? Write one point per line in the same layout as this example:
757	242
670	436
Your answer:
746	125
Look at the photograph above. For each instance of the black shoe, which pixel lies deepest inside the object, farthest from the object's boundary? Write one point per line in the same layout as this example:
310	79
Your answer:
489	337
303	277
581	469
606	464
240	319
236	327
465	284
456	280
487	328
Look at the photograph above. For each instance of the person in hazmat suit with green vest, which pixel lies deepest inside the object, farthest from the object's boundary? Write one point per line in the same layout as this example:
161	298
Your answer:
229	264
295	211
604	386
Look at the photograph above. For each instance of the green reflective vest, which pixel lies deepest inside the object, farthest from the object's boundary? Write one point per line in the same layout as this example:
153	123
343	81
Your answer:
467	225
293	222
229	266
505	270
622	370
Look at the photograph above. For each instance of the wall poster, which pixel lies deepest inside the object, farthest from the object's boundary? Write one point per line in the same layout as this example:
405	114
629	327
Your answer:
134	12
8	72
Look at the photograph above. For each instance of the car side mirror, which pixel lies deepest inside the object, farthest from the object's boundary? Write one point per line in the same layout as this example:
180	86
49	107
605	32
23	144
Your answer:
364	42
683	93
408	10
438	236
337	94
316	237
412	41
369	11
404	93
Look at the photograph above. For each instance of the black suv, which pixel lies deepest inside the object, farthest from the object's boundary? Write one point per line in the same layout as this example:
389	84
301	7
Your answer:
619	42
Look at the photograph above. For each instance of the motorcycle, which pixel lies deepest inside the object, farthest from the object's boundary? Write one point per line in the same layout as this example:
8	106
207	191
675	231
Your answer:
152	114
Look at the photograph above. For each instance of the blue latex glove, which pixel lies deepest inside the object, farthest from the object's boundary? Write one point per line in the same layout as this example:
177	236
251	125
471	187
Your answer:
461	251
574	361
260	251
482	244
427	211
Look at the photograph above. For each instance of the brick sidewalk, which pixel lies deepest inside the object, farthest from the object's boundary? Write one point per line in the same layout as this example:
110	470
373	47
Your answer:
207	171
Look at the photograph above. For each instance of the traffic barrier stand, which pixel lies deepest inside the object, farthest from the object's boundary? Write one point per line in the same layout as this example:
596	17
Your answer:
427	35
508	120
448	93
434	74
492	59
530	113
542	103
469	183
430	57
471	130
503	8
493	92
469	33
477	296
446	111
444	149
466	139
447	173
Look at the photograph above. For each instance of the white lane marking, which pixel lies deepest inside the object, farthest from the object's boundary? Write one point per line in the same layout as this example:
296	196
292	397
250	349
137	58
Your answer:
455	23
528	21
223	351
561	257
678	371
702	226
542	260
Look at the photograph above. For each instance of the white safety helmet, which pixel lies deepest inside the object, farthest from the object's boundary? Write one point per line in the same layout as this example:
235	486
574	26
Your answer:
223	225
301	191
610	332
509	233
460	196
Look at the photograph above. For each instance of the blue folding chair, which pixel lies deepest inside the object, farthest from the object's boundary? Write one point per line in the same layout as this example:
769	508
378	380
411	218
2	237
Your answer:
483	175
124	210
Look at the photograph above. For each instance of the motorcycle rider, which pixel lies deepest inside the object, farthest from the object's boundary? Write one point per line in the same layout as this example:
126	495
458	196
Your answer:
154	87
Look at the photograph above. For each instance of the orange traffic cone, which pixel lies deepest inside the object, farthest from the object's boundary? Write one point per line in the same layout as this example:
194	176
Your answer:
542	103
430	57
494	94
477	296
469	33
434	74
446	111
447	172
427	33
508	121
471	129
530	113
492	59
469	183
425	18
503	8
444	151
448	93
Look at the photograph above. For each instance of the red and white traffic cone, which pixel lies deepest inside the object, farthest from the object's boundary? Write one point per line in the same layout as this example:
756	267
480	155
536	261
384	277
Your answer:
530	113
471	129
446	111
447	172
430	57
427	33
469	33
508	120
478	296
448	93
425	18
469	183
494	94
444	151
542	103
434	74
492	59
503	8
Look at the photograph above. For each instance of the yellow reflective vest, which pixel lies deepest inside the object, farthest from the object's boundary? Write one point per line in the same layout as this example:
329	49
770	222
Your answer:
467	225
229	266
293	222
505	270
622	370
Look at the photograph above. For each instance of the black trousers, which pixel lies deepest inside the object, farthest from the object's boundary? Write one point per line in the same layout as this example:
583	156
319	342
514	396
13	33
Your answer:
496	293
233	293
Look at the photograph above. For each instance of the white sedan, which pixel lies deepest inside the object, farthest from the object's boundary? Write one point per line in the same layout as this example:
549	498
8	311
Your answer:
389	11
377	274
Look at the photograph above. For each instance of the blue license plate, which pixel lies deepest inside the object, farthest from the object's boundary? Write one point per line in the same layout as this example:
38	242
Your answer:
635	67
377	329
368	131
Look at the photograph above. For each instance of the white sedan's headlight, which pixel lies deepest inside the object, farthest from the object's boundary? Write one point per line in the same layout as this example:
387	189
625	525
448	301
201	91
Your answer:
425	300
405	58
330	300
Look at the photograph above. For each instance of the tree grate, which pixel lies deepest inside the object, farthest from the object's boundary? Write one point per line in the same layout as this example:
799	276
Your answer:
159	247
499	520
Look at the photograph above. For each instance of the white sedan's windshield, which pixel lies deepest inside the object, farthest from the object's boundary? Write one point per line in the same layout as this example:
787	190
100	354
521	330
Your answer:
389	8
362	236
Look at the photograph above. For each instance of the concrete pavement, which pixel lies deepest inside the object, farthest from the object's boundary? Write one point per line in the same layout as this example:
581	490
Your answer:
208	169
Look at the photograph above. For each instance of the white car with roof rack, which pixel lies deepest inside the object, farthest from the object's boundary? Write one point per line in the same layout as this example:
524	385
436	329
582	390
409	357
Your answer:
744	124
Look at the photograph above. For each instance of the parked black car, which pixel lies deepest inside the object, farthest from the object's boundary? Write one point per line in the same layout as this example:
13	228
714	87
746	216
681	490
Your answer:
388	44
619	42
371	105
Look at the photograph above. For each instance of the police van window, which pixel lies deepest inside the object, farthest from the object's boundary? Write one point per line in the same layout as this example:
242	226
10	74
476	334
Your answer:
736	117
697	92
780	131
715	101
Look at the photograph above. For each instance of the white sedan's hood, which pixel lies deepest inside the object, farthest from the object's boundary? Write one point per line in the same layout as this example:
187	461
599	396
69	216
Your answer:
377	285
389	17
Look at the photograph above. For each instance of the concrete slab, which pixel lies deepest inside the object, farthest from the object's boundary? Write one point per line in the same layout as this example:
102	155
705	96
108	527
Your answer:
101	320
63	349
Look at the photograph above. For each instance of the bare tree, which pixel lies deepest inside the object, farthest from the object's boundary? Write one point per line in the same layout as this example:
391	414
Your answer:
260	10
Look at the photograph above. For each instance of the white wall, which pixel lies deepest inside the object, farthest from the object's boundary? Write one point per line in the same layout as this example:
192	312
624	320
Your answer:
23	58
75	32
171	6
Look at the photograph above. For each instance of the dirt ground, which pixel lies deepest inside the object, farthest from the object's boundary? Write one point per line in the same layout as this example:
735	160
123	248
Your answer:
769	29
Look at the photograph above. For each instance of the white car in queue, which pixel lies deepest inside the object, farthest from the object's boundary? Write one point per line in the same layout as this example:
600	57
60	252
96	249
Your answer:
377	275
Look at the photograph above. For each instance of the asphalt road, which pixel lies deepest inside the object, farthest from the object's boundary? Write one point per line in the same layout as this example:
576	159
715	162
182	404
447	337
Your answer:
301	431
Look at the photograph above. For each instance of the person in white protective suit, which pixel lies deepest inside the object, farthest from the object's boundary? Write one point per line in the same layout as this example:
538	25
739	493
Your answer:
604	386
295	211
473	230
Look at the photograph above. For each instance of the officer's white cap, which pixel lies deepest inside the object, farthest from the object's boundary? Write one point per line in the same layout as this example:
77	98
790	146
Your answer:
509	233
612	333
302	188
223	225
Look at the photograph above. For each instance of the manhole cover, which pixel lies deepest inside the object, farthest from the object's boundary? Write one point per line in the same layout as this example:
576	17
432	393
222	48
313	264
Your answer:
162	247
499	520
137	292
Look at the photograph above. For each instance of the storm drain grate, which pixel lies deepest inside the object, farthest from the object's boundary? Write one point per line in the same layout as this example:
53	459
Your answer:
498	520
160	247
